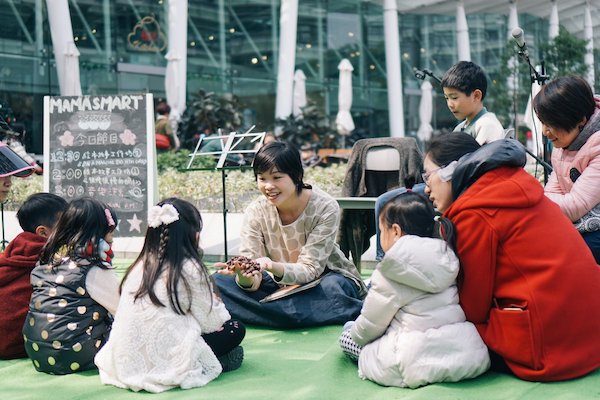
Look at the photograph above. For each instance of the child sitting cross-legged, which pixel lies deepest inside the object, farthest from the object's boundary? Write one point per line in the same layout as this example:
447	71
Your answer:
411	330
75	290
37	217
170	330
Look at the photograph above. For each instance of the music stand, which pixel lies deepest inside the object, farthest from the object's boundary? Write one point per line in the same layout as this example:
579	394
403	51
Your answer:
230	147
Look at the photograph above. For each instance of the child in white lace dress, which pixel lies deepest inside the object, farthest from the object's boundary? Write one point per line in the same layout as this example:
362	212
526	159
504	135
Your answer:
170	330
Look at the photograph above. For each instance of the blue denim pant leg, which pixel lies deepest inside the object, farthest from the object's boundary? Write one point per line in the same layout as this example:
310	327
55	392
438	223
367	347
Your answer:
334	301
592	239
382	201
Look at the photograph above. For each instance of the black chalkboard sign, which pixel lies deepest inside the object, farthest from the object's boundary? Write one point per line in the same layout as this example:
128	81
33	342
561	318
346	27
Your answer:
103	147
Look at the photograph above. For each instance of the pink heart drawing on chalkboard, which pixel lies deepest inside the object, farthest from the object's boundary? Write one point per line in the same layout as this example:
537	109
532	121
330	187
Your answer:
128	137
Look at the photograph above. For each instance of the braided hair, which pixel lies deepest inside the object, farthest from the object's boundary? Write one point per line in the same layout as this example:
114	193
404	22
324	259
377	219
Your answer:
167	248
162	244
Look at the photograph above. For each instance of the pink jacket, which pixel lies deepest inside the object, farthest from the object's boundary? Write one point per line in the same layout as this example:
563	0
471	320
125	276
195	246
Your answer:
577	199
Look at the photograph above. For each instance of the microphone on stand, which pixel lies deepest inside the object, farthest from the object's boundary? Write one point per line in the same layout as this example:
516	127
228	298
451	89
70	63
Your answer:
418	73
423	73
518	35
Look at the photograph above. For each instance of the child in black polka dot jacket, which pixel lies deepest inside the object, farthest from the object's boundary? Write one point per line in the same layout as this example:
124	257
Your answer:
75	291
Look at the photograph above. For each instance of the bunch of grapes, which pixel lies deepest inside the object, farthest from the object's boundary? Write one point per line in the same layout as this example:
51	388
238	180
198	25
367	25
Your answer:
245	264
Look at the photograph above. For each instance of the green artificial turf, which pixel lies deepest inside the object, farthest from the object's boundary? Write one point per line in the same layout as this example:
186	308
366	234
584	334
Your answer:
294	364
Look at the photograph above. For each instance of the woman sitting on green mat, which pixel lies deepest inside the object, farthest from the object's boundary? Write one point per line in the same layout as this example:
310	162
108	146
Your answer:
290	231
528	281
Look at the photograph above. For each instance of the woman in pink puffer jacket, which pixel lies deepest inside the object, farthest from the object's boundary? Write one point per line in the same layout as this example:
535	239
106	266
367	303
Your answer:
570	117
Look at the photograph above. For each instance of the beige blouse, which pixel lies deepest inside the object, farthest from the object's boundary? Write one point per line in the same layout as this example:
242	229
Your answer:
306	246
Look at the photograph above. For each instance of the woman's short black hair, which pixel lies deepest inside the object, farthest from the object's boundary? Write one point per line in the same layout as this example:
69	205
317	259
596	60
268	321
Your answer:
285	158
448	147
564	102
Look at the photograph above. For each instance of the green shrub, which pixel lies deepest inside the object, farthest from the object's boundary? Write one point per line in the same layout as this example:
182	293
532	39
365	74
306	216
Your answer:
178	160
202	188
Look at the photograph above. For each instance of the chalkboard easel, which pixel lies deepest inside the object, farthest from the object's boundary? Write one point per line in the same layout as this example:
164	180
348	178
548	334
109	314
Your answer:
231	145
103	146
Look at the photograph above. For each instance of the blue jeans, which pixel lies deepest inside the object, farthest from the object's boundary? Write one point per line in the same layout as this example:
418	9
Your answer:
592	239
334	300
382	201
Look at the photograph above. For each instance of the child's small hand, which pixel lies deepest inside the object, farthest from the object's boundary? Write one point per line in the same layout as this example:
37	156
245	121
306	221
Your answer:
223	268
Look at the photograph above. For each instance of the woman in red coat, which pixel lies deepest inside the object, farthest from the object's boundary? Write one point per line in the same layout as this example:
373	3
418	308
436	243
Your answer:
528	281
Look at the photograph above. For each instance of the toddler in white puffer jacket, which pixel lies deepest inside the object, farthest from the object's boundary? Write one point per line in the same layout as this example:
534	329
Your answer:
412	330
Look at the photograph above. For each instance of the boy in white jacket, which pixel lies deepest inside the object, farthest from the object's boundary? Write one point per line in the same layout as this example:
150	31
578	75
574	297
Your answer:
411	330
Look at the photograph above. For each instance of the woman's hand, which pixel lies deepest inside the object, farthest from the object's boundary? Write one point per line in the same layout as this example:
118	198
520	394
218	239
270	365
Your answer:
266	264
245	278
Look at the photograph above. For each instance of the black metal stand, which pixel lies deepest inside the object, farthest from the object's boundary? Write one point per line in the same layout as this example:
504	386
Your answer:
223	176
423	73
232	141
4	242
540	78
547	167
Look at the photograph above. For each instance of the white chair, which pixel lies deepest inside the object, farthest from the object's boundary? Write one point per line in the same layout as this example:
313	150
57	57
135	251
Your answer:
383	159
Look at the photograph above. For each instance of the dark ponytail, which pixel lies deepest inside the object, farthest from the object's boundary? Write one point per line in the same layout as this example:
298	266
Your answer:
447	232
416	216
412	212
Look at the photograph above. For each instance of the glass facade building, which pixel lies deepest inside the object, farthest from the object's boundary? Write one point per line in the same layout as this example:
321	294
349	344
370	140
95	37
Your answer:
233	47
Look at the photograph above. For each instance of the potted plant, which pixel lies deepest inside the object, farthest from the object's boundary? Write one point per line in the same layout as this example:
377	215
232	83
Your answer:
206	113
311	128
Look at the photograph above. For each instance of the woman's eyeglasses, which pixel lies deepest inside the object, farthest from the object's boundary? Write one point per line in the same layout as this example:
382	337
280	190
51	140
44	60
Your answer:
427	175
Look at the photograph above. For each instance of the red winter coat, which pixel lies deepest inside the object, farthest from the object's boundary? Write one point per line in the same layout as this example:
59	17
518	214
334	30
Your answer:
528	282
16	264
